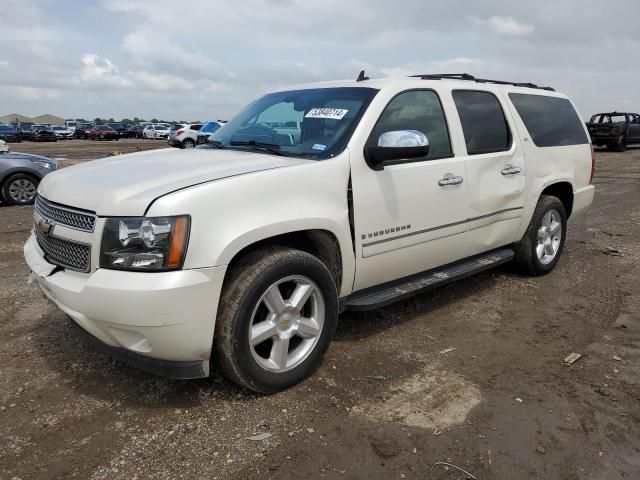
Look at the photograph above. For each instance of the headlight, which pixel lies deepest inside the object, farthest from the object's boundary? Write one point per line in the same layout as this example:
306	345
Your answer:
43	164
146	244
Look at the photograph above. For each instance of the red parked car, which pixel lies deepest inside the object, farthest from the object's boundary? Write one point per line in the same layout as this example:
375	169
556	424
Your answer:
103	132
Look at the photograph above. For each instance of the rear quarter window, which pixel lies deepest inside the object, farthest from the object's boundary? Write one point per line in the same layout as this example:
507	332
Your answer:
551	121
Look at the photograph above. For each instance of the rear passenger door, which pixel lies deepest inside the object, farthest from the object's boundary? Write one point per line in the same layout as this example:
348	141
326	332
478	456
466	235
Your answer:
634	128
495	167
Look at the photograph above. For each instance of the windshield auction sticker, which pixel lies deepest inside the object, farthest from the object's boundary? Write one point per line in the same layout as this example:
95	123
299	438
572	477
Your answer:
330	113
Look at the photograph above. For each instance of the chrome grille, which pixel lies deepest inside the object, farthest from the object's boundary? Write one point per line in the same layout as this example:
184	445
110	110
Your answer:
65	253
64	215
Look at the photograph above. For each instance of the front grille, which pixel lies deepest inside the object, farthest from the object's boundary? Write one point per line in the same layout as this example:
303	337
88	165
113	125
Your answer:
64	215
65	253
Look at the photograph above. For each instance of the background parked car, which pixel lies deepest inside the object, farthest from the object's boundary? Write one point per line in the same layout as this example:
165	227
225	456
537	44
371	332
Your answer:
40	133
103	132
9	133
206	131
616	130
135	131
62	133
156	131
71	125
82	130
184	136
20	174
121	128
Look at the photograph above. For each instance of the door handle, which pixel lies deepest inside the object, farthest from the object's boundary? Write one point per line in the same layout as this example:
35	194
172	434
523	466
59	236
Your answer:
450	179
510	170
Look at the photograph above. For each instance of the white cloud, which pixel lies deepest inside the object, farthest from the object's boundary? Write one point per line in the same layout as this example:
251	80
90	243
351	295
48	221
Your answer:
101	72
159	82
3	63
504	25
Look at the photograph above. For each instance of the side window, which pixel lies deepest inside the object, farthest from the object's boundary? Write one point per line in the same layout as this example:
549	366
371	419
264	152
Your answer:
416	110
551	121
484	125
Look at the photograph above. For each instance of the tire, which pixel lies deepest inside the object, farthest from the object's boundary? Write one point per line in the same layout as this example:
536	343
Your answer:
260	278
188	143
539	250
621	144
20	189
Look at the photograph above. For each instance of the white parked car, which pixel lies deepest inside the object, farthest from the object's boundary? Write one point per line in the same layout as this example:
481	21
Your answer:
184	136
63	133
244	253
71	125
156	131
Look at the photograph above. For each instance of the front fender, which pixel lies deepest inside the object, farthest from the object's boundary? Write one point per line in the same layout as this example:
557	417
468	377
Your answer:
231	214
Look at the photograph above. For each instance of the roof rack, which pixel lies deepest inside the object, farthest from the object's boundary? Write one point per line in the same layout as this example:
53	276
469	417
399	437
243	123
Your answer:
471	78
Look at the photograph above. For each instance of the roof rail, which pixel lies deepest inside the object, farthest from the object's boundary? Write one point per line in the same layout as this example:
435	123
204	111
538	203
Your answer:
471	78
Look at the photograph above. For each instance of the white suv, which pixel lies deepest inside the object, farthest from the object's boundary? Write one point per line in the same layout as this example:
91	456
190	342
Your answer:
156	131
320	198
184	136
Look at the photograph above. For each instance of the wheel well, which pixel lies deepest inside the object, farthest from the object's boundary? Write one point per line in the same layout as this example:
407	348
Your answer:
564	192
320	243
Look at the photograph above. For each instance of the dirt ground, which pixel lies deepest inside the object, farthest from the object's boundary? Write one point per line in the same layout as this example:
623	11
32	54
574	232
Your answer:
472	374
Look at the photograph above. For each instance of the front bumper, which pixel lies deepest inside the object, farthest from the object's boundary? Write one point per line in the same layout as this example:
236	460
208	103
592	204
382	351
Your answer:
161	322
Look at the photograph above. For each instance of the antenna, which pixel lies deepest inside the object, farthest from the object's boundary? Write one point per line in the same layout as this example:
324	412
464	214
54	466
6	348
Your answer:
361	77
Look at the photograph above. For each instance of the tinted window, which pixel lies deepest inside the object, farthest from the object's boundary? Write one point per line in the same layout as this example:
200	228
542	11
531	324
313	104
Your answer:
483	123
416	110
210	127
551	121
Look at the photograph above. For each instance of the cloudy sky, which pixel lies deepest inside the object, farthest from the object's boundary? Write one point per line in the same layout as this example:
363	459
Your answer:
199	59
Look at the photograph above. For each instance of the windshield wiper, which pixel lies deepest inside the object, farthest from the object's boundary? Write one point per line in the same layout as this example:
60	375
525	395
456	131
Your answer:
215	143
270	147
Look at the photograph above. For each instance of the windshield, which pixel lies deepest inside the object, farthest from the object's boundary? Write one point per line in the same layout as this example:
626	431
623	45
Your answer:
313	123
210	127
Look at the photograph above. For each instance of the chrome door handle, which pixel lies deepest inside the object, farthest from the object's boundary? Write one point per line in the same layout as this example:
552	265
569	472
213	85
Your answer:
450	179
511	170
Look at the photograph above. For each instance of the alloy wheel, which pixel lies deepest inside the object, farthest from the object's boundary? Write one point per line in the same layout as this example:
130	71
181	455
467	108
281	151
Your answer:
22	190
286	324
549	237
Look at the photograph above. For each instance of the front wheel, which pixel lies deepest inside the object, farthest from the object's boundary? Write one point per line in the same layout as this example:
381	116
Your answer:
541	247
277	315
20	189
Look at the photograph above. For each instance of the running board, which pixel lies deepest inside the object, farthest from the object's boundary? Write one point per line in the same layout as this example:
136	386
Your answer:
388	293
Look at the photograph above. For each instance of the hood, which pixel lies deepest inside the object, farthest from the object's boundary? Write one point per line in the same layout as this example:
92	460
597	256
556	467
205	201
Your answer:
125	185
26	156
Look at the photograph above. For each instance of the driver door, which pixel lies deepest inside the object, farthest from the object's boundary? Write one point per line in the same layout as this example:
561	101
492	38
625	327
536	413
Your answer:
408	219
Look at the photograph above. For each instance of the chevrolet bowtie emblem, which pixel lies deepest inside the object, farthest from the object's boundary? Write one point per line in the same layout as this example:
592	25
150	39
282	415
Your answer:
44	227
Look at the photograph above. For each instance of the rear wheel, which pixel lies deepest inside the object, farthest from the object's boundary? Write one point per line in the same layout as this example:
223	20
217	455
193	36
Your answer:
541	247
620	145
20	189
188	143
277	315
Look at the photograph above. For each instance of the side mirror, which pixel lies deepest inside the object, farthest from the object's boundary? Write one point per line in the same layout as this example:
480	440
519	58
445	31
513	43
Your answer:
3	146
395	146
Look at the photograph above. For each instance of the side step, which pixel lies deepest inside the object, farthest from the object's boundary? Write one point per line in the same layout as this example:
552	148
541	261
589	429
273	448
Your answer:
391	292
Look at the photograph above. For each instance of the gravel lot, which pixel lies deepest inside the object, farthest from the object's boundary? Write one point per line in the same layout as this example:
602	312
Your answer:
472	374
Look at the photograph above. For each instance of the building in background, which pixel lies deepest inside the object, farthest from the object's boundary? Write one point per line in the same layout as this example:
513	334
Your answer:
13	118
